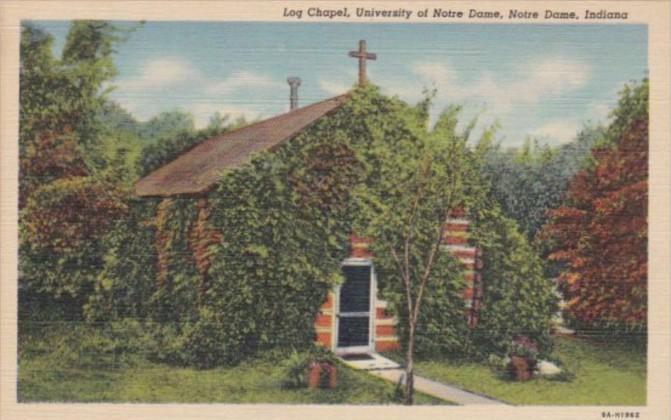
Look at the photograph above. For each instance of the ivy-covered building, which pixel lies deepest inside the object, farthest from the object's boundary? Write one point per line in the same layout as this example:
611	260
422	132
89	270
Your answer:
353	317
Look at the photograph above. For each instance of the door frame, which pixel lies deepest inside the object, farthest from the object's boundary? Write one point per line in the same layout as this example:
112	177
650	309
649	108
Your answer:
357	262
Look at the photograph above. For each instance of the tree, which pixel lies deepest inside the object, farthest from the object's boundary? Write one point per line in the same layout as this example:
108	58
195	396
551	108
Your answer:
428	177
599	234
70	176
166	125
529	181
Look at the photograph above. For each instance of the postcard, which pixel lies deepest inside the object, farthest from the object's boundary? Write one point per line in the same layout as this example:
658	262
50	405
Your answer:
274	209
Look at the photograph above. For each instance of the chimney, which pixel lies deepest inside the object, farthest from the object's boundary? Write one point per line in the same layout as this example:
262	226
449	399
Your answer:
294	82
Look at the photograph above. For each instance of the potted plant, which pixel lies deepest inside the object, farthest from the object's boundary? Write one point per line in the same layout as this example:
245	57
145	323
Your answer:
523	358
315	368
321	374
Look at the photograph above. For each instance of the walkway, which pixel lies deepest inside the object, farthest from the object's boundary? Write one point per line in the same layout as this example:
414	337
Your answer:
436	389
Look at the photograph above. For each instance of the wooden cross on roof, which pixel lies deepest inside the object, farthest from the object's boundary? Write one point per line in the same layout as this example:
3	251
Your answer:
362	55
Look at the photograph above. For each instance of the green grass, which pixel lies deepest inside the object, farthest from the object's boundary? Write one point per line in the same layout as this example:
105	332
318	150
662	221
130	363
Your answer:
255	381
605	374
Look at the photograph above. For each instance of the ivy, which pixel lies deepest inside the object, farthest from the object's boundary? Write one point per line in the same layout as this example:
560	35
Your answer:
247	268
518	299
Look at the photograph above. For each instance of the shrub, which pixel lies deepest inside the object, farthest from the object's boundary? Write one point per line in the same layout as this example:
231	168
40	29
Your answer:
295	367
294	370
212	342
518	299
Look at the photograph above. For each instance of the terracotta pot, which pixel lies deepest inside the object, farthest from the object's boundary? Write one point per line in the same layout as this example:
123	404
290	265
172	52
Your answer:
314	375
321	375
520	368
330	370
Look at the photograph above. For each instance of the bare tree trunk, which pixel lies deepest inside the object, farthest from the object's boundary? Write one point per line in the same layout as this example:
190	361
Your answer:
409	368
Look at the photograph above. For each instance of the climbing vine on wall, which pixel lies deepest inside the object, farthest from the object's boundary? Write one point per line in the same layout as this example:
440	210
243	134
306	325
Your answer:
247	268
201	237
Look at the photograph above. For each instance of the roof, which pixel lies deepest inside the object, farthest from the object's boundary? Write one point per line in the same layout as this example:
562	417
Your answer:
198	169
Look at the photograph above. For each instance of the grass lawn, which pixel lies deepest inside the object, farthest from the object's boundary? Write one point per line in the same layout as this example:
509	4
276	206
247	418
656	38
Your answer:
605	374
251	382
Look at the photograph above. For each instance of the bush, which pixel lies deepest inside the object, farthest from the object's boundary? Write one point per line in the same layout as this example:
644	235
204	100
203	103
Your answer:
294	370
212	342
295	367
517	297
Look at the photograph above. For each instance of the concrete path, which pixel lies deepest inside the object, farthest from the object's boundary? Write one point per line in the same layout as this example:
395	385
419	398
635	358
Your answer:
436	389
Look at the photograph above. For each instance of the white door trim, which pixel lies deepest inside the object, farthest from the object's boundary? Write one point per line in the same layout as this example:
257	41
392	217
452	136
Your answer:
357	262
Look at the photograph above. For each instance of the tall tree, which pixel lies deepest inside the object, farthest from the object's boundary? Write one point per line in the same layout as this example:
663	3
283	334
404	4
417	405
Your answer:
600	232
428	177
69	191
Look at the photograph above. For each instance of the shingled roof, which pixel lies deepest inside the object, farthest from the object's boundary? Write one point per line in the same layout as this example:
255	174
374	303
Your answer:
198	169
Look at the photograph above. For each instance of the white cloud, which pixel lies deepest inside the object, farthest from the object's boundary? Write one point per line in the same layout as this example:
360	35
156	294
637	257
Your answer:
333	87
529	84
171	71
549	77
343	84
160	73
561	131
239	80
599	111
205	96
511	97
436	73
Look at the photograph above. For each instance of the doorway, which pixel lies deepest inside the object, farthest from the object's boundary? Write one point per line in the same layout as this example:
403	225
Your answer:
355	301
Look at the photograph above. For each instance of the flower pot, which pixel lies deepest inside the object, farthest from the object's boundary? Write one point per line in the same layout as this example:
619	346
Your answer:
328	373
520	368
321	375
314	375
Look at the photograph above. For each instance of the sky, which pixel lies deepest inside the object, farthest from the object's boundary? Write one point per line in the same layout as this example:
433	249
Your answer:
543	81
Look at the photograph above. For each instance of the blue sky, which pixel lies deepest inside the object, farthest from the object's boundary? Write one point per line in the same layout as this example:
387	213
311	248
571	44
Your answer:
544	81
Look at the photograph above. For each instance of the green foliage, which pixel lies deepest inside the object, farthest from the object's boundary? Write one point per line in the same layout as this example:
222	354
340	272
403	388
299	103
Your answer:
125	284
69	192
441	326
60	96
257	209
43	377
219	123
38	79
63	222
294	370
517	299
295	367
213	341
78	345
529	181
166	149
166	125
273	269
284	218
632	106
593	373
176	283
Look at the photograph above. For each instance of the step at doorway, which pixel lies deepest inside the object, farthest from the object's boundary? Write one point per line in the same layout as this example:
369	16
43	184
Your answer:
368	361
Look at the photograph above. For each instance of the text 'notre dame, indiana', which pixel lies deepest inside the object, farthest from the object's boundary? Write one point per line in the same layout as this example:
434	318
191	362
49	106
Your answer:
369	13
